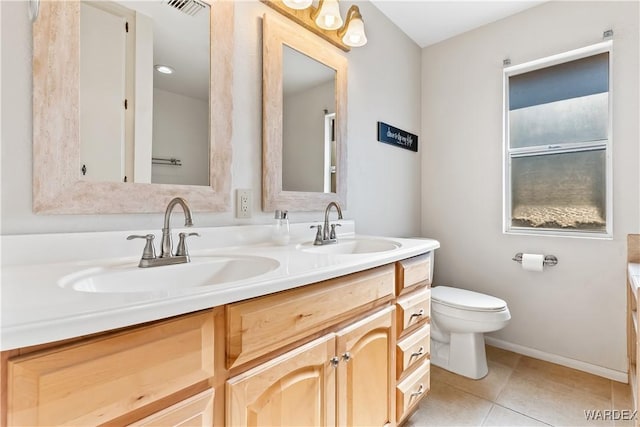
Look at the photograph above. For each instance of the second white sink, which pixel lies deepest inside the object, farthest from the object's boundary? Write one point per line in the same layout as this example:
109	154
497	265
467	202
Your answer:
352	246
201	271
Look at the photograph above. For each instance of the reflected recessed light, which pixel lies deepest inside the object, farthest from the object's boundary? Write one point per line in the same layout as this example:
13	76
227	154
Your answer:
164	69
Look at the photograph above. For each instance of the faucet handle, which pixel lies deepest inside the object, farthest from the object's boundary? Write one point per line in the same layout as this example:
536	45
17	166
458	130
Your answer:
149	251
332	234
182	244
318	240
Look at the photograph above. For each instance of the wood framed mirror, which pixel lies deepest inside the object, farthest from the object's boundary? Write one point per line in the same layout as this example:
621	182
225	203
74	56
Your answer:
58	183
304	119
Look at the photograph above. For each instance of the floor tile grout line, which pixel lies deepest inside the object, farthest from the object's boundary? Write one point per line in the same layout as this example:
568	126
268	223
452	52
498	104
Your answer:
522	413
506	383
484	420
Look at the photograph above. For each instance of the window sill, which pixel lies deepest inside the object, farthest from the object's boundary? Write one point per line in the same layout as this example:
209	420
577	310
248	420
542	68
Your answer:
559	233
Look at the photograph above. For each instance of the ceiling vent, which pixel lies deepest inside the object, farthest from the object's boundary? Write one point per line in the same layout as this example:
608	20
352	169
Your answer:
190	7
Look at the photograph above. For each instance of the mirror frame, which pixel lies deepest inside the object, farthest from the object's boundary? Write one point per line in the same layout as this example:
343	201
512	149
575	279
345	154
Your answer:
57	186
277	32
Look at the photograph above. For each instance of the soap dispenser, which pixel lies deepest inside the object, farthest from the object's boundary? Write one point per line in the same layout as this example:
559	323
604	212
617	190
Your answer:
280	234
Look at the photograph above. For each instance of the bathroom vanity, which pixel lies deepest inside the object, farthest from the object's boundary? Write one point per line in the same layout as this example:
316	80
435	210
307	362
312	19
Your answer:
633	283
325	337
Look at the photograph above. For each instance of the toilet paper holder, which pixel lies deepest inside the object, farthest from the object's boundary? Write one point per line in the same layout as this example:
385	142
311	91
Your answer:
549	260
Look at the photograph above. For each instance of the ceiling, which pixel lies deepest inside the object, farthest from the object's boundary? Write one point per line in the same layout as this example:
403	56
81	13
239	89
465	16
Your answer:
428	22
180	41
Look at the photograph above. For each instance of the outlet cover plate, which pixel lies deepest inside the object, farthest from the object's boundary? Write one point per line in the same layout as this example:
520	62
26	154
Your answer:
243	203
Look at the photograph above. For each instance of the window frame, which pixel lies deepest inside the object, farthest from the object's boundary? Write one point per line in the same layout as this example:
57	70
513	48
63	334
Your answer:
606	144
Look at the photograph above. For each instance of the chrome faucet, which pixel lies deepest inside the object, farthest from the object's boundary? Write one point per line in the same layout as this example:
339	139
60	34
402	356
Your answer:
167	245
149	258
327	233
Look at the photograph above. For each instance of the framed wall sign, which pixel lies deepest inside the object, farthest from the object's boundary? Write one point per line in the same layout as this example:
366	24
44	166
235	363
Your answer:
398	137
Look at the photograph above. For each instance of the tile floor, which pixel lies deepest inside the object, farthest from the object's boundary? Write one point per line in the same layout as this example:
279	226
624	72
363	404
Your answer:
521	391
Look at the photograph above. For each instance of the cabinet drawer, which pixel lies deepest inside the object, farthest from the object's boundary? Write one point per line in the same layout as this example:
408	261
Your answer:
413	272
98	380
412	389
262	325
412	349
196	411
413	309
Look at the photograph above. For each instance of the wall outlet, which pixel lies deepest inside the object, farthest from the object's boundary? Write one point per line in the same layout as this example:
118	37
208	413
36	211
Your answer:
243	203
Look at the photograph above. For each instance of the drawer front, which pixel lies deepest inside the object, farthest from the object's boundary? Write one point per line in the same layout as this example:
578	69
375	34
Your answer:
411	390
196	411
262	325
98	380
413	272
413	309
413	349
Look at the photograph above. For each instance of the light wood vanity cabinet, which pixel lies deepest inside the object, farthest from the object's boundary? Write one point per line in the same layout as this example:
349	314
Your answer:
112	377
344	377
413	303
633	344
346	351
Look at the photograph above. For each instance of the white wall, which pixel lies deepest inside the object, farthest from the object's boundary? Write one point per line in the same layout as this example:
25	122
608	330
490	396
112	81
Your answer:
379	175
575	310
303	146
180	131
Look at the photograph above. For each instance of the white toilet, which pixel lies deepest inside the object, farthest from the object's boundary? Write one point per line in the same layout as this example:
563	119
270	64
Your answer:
459	319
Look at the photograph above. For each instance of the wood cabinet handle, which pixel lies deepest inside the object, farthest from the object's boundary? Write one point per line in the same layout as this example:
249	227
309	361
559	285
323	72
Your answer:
335	361
418	353
346	356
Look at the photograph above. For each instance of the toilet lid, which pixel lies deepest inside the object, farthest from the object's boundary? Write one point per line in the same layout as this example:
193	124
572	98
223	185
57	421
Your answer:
466	300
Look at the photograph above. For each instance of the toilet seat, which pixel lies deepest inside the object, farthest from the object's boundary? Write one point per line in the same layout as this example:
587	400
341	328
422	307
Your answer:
463	299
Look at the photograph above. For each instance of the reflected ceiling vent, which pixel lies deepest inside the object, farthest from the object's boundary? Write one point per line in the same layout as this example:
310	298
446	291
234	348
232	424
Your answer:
190	7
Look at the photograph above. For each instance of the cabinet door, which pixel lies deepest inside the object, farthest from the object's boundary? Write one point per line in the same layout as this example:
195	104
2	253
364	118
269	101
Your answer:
366	373
295	389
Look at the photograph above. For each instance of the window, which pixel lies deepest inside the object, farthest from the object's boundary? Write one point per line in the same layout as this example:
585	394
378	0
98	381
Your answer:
557	139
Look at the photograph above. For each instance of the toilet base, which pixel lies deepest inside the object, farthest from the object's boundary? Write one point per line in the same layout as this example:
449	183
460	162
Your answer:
464	355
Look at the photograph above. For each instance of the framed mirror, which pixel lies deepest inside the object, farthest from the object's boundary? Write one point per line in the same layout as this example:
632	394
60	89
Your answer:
304	119
65	178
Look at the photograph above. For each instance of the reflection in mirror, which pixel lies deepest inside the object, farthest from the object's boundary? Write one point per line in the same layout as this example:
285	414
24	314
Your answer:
161	134
308	115
304	119
58	184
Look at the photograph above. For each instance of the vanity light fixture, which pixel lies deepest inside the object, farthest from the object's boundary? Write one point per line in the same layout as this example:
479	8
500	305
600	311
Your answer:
325	20
352	33
297	4
327	15
164	69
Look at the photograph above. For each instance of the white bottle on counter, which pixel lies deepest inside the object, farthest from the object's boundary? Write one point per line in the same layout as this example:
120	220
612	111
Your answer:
280	234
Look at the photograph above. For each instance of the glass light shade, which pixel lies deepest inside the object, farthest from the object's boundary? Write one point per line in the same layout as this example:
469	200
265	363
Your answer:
355	36
297	4
328	16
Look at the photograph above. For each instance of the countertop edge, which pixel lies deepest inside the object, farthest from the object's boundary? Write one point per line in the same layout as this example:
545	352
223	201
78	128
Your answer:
51	330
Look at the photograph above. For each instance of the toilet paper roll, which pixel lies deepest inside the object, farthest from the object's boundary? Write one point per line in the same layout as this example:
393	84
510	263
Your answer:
532	262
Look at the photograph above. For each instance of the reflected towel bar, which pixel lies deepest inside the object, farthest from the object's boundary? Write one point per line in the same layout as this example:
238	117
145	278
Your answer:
172	161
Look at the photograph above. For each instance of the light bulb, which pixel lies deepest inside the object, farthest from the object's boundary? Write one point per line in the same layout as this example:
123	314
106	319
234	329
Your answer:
297	4
352	34
164	69
327	16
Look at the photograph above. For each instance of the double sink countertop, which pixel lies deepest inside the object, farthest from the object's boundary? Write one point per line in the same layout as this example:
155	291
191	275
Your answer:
54	287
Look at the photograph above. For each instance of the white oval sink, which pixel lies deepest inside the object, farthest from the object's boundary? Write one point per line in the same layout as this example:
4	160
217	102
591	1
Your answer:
201	271
351	246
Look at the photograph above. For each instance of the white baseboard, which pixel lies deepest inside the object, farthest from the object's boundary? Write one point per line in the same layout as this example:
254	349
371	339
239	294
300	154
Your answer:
560	360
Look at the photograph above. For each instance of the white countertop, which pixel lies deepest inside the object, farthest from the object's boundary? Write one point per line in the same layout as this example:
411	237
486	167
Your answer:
634	276
36	309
